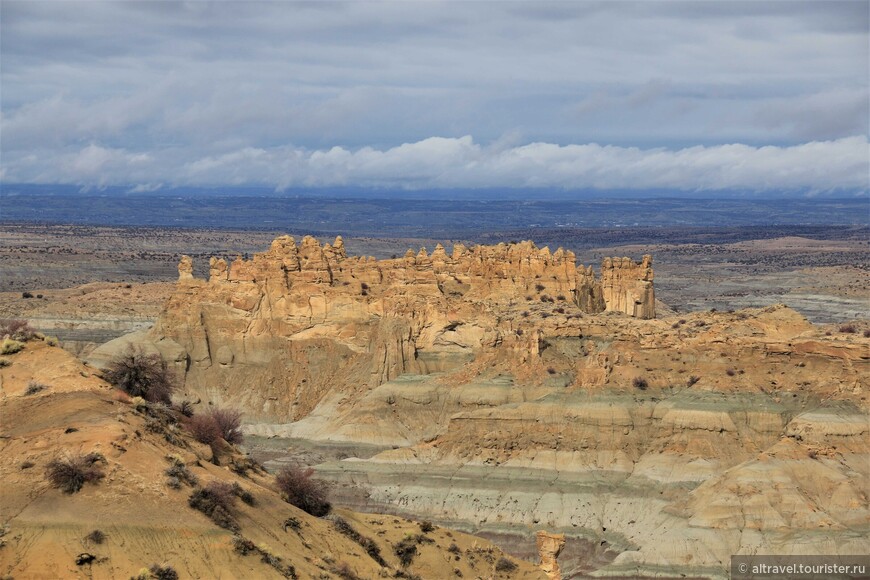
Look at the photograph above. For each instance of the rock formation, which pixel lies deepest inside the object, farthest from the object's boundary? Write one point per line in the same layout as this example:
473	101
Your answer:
498	386
549	547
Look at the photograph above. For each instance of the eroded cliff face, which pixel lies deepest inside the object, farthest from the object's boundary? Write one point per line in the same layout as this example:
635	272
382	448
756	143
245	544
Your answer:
275	333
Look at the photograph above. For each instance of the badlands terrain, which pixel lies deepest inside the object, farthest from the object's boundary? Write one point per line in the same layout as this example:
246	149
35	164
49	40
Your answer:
501	390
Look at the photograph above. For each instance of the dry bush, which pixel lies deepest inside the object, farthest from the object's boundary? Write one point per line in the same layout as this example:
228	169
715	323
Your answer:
345	572
229	422
505	565
163	572
406	550
640	383
179	472
848	329
204	429
216	500
303	491
33	387
369	545
10	346
18	330
96	537
730	372
692	380
141	375
217	424
426	526
71	473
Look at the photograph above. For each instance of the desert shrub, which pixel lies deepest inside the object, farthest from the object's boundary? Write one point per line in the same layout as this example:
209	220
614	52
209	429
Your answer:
243	494
179	471
204	429
216	500
19	330
141	375
10	346
51	340
345	572
867	333
369	545
692	380
560	297
303	491
292	523
426	527
454	549
730	372
96	537
406	550
26	465
551	371
71	473
640	383
5	362
26	294
229	422
560	310
505	565
848	328
539	287
185	408
217	424
163	572
33	387
243	546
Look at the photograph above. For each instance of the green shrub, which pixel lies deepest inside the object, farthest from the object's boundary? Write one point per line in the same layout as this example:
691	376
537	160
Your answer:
10	346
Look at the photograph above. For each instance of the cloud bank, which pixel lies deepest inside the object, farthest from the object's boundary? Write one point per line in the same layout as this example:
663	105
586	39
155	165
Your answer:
695	95
445	163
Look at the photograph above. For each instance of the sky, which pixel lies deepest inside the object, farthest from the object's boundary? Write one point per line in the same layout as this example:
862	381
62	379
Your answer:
756	96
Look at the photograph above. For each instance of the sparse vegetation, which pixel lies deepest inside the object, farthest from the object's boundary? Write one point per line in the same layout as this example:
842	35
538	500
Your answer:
19	330
848	329
70	474
299	488
730	372
505	565
26	465
141	375
406	550
5	362
692	380
217	424
426	527
96	537
367	544
178	473
640	383
33	387
345	572
216	500
163	572
10	346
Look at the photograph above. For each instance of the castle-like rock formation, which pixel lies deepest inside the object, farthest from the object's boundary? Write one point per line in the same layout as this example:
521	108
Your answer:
496	272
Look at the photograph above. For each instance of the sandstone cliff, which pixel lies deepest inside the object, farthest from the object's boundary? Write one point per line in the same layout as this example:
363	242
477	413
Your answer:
297	320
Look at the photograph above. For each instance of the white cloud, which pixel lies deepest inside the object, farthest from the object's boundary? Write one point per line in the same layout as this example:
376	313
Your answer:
438	162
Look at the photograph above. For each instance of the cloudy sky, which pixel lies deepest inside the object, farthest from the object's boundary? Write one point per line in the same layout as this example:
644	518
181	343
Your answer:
696	96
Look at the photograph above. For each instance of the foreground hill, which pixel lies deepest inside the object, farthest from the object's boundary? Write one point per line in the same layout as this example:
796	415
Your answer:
55	408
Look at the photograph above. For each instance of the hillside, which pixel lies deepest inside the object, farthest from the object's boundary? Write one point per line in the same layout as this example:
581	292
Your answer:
145	522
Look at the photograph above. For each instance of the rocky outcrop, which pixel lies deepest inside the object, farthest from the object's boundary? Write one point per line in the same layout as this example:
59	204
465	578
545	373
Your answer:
273	334
627	286
549	548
